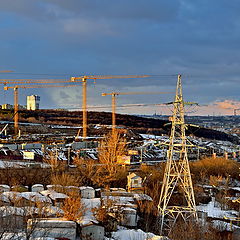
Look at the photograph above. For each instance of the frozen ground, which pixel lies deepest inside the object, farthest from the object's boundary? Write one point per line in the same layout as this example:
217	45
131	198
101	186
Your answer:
214	211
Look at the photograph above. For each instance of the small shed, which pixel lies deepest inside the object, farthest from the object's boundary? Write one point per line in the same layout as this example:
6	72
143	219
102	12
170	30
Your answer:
12	197
57	198
37	188
134	183
11	218
4	200
91	230
129	217
53	228
87	192
4	188
35	198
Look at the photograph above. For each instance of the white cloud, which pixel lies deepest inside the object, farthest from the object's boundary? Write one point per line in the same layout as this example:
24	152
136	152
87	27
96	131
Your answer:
225	107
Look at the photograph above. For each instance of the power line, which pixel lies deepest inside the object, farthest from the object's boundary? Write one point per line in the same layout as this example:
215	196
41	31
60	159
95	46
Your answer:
81	74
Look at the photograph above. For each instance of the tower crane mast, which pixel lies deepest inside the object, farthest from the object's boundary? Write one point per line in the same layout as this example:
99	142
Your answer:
82	79
114	94
84	91
19	83
15	89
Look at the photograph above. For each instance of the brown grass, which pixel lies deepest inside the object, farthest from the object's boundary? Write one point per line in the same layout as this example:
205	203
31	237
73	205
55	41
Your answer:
203	169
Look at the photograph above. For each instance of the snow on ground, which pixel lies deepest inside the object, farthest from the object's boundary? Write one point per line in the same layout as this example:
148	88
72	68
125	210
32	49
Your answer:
20	164
126	234
28	211
216	212
150	136
89	204
21	236
53	194
35	197
224	225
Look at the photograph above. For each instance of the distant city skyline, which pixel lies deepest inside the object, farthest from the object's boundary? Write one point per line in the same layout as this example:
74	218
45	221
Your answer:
59	39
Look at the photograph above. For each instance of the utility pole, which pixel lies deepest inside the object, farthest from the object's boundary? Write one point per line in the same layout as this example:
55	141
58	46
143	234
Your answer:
177	175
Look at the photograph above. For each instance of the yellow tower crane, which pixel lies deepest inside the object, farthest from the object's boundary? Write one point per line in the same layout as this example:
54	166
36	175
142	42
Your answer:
15	88
84	91
82	79
114	94
19	83
6	71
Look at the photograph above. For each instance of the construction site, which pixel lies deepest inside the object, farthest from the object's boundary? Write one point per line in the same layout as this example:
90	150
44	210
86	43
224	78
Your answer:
127	176
119	120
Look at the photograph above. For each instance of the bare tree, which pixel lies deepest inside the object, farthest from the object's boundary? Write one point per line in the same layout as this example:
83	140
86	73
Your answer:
86	169
65	179
110	149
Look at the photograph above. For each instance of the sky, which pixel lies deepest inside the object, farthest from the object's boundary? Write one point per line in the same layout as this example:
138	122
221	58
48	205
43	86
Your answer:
199	39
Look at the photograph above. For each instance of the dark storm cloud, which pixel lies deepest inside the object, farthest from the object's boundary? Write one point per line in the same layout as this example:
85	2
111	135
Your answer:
199	39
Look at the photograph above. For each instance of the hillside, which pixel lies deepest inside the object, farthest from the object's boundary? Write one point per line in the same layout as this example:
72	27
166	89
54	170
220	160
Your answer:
139	124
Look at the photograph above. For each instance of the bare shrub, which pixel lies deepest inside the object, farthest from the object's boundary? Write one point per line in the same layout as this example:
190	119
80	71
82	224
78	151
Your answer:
73	207
24	176
194	231
110	148
108	214
148	213
86	169
55	164
214	167
215	181
65	179
152	177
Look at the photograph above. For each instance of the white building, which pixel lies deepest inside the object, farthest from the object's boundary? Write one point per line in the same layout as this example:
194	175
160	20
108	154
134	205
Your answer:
33	102
52	229
7	106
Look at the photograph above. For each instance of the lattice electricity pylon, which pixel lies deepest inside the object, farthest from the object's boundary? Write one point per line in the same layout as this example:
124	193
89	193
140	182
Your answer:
177	177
